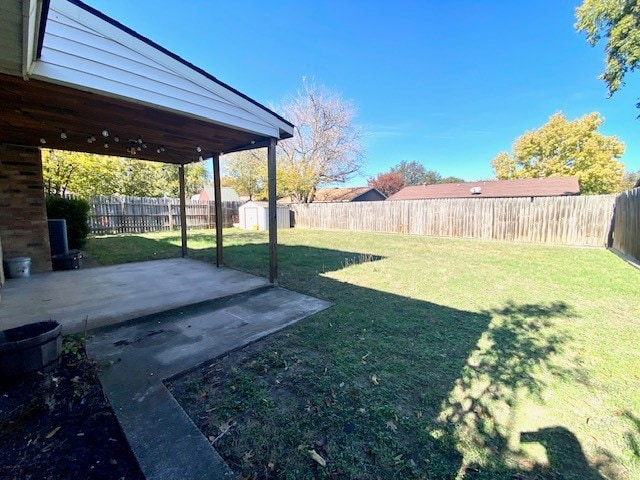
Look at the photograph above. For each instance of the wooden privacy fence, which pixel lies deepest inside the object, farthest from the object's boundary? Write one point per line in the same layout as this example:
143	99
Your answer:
139	215
579	220
626	232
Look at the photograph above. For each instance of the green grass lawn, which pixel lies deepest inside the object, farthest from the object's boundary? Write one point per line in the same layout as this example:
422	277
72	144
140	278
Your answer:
442	358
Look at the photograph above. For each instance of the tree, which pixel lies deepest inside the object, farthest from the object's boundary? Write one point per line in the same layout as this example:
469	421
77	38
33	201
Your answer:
451	180
246	172
195	177
630	180
388	183
326	147
563	148
82	174
87	175
619	22
405	174
414	173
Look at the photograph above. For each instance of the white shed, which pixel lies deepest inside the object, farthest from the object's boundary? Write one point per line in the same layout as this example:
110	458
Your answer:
255	216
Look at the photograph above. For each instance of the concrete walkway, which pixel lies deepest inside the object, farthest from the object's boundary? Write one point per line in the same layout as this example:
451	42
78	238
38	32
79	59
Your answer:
136	358
106	295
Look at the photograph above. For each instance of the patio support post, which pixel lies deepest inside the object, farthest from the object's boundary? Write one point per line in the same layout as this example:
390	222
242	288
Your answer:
218	204
273	216
183	211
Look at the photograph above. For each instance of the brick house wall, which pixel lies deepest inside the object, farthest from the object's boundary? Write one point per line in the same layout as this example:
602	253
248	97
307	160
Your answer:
23	217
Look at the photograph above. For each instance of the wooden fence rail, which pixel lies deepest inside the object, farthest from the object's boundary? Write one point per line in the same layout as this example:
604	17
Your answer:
139	215
580	220
626	231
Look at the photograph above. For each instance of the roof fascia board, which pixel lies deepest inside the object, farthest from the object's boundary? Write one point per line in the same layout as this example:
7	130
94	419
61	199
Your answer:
75	79
44	15
31	34
110	28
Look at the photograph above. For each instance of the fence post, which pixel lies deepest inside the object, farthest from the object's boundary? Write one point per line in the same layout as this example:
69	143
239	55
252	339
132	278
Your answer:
123	221
170	212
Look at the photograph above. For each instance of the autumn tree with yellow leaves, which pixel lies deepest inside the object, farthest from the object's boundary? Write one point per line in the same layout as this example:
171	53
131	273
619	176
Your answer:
566	148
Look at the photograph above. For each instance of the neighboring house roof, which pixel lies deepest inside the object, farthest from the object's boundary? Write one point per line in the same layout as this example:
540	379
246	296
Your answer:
529	187
227	194
336	195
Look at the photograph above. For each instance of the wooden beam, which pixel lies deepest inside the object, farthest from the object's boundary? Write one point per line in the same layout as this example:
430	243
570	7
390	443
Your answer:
183	212
35	109
218	204
273	216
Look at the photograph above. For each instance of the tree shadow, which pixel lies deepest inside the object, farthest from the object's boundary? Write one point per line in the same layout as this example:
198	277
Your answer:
633	436
511	362
564	453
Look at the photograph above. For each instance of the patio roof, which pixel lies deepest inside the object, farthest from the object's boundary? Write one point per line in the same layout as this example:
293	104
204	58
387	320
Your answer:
72	78
68	70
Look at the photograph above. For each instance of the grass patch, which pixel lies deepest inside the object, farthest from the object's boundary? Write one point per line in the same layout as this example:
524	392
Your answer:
126	248
442	358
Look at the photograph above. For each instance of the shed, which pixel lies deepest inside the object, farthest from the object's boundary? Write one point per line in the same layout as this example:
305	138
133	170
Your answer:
255	216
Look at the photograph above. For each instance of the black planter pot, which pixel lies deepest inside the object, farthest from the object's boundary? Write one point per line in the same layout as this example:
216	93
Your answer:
30	348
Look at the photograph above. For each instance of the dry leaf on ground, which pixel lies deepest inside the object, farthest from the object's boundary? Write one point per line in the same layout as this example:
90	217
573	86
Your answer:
52	432
317	458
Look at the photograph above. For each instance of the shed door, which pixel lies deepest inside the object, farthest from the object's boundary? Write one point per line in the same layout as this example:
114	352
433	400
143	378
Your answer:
250	218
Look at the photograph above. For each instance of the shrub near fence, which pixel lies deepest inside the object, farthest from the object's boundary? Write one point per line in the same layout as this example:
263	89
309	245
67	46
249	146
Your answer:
579	220
626	232
139	215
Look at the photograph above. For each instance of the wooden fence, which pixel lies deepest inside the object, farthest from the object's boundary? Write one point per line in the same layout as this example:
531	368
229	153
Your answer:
580	220
139	215
626	231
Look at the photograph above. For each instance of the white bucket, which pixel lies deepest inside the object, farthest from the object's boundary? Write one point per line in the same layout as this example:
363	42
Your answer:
18	267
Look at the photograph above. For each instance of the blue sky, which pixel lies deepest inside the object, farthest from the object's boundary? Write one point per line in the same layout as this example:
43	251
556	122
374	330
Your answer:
447	84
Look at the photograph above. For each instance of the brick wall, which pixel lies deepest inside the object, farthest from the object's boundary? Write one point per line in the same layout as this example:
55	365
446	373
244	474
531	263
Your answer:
23	217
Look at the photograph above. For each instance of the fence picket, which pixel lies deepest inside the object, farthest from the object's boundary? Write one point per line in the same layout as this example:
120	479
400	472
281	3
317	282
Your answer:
626	230
140	215
572	220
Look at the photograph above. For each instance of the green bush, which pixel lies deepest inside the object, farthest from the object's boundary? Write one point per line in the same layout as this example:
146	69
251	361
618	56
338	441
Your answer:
76	213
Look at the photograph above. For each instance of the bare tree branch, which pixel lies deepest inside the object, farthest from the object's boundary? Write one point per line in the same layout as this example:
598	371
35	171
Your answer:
326	147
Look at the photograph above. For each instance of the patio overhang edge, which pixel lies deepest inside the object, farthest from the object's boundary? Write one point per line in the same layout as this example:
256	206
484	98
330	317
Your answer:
182	128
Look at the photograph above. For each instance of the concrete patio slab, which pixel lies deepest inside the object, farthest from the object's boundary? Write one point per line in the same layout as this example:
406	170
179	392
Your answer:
107	295
137	357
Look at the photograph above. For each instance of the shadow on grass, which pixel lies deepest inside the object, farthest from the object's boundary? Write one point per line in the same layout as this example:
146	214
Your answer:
564	453
385	385
512	360
633	437
117	249
112	250
381	385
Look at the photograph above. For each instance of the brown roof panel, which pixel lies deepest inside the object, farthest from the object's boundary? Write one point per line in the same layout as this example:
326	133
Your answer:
527	187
